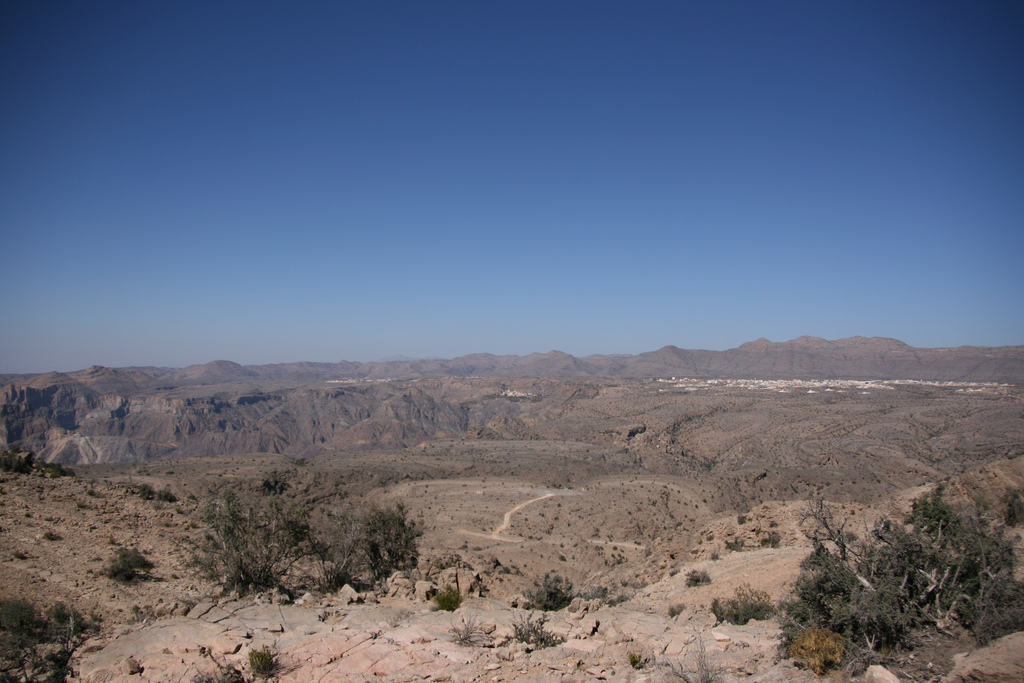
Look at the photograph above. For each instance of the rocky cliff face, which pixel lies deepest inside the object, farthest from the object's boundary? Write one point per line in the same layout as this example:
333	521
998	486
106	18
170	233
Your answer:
70	423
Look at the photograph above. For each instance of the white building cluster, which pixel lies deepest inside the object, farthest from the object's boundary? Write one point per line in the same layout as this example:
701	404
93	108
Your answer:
815	386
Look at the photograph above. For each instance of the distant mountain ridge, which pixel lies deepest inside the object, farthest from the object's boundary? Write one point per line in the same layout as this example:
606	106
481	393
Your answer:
134	414
868	358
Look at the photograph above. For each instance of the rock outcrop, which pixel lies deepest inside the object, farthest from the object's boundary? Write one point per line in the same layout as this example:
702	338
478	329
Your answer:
333	639
1002	661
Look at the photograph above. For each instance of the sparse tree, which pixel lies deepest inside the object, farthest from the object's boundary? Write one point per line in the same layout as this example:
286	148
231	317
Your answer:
36	647
943	566
336	543
389	541
251	544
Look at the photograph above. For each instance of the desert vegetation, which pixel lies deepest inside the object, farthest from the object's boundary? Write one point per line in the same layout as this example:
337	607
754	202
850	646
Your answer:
127	565
552	593
939	568
529	629
254	541
745	605
448	598
17	461
36	646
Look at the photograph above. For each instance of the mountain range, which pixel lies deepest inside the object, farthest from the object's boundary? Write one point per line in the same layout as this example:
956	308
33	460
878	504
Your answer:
301	409
866	358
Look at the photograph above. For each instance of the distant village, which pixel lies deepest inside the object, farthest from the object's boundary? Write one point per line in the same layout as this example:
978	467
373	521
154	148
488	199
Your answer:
839	386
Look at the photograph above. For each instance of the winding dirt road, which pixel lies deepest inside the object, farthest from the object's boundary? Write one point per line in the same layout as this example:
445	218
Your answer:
507	522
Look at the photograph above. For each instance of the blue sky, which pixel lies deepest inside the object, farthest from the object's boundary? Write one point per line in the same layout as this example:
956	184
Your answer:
273	182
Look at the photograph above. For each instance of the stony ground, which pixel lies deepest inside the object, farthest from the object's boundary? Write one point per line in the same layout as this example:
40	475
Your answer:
637	535
403	640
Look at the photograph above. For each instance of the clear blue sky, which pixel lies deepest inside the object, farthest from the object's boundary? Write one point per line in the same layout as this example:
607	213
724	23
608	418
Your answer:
271	182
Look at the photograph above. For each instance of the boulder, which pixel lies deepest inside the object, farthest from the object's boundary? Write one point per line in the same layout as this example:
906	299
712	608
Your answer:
879	674
347	595
425	590
467	581
1002	661
399	586
130	667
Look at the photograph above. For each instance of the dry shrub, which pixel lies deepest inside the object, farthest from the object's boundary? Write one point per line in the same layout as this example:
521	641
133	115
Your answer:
252	542
126	565
746	605
697	578
818	649
704	669
525	629
470	633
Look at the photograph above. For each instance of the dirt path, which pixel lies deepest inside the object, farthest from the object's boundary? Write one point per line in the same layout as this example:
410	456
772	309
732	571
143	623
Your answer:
622	544
507	522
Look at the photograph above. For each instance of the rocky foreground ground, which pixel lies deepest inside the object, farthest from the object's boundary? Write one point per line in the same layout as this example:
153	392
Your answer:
175	626
402	637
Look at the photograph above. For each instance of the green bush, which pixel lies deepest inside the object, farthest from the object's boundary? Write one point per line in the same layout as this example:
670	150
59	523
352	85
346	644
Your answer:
1000	609
263	662
943	566
336	544
166	495
389	541
20	618
35	647
64	616
553	593
1014	508
12	460
448	599
747	604
55	470
126	565
772	540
